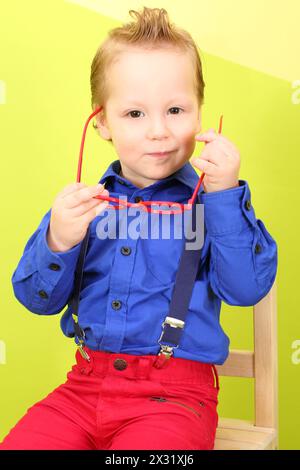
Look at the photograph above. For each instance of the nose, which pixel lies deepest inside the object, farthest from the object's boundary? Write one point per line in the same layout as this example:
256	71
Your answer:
158	128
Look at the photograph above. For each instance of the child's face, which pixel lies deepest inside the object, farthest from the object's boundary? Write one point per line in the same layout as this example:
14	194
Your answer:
152	107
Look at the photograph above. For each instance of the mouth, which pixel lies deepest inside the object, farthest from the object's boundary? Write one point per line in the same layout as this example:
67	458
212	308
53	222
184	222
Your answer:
160	154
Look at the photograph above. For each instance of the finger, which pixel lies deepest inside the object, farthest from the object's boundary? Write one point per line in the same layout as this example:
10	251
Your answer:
83	195
70	188
208	168
227	145
101	207
86	206
217	154
207	136
89	216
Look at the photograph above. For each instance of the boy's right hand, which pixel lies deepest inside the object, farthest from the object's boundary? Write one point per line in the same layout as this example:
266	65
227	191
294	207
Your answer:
73	210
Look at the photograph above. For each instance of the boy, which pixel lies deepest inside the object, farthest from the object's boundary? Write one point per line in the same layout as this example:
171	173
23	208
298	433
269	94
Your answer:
117	397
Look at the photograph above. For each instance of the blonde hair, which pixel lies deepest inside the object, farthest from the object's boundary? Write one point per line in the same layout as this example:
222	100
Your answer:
151	30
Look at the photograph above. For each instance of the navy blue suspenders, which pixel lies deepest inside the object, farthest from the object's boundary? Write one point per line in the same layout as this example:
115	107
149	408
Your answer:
175	320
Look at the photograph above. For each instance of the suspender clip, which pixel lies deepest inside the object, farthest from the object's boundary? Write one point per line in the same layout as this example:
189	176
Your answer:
80	336
166	350
174	322
83	351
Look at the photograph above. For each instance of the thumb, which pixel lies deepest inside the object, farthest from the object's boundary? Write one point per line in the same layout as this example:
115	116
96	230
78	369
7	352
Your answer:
101	207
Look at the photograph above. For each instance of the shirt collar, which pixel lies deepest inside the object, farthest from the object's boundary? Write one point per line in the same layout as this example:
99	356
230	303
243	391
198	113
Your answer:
186	175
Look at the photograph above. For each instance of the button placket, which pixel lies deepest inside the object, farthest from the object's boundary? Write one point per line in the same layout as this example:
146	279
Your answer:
119	287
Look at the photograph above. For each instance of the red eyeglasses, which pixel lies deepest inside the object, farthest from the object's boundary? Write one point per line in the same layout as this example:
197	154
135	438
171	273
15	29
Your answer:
146	205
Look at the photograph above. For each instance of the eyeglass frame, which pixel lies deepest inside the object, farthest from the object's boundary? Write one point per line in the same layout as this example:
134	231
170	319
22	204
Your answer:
143	204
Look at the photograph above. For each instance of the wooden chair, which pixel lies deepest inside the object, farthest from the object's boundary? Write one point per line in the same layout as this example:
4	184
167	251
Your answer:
261	365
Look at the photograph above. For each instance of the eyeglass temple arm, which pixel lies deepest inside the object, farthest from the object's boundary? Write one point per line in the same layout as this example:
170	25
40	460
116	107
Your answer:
78	178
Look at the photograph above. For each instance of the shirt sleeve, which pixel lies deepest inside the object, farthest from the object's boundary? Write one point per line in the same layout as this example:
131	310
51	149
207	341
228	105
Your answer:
243	255
43	279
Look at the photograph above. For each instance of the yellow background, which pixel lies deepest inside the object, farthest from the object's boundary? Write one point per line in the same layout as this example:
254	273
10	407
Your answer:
250	53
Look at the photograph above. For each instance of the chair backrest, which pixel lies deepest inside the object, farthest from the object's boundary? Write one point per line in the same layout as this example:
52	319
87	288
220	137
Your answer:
261	364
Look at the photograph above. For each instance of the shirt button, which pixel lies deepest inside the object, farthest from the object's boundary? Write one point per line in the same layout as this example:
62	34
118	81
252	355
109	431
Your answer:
125	250
116	304
248	205
43	294
258	248
54	267
120	364
138	199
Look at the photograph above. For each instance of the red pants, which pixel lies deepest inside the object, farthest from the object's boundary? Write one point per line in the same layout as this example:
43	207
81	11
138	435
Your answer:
122	401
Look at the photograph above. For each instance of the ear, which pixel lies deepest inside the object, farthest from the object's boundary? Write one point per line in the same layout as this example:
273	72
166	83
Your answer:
199	121
101	124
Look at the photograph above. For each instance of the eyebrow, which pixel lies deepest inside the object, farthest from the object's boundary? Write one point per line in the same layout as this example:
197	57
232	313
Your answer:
138	103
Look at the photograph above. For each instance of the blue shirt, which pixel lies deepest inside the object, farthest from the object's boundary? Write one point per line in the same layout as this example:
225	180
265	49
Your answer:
238	266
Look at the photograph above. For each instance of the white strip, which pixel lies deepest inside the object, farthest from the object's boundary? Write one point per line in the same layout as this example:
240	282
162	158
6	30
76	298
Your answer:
2	92
2	352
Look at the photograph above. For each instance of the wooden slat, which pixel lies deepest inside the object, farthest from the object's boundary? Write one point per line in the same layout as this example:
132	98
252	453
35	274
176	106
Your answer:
232	423
239	363
260	439
243	435
265	349
224	444
261	364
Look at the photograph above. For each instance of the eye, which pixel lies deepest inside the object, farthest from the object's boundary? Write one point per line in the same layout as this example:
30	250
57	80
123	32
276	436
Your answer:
175	107
134	111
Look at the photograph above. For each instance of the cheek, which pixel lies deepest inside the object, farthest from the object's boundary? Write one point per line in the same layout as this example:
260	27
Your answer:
185	131
125	143
187	141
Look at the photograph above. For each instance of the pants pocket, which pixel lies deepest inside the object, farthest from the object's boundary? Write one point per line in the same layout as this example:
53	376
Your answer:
200	409
192	409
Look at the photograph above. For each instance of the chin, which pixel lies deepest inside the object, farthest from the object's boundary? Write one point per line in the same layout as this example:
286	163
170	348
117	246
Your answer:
159	175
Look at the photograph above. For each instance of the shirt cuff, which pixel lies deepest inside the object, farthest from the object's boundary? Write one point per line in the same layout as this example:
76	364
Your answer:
229	210
53	265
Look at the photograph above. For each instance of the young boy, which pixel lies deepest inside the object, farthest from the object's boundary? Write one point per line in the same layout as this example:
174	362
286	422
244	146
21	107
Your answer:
118	395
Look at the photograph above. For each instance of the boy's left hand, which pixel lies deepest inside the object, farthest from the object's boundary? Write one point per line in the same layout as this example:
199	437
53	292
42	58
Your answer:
219	160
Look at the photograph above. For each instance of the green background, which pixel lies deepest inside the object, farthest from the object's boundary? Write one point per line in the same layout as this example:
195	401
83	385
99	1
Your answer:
46	49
